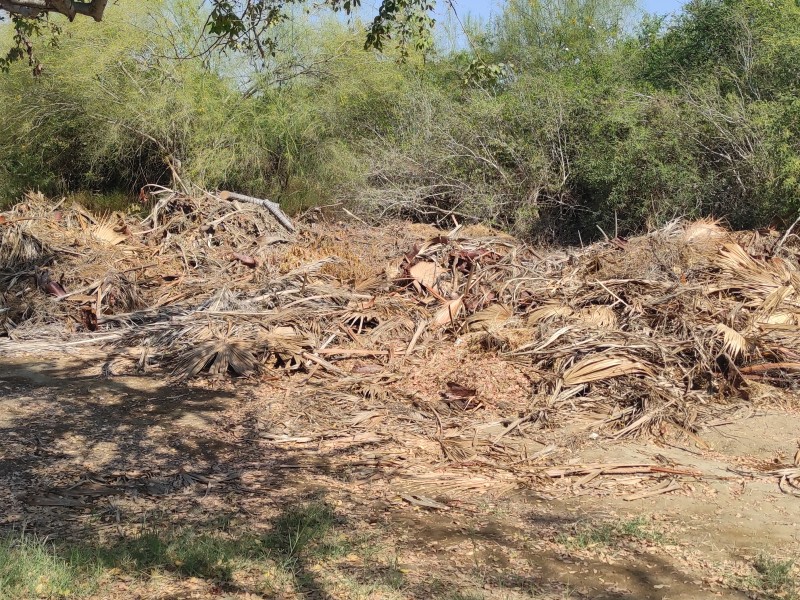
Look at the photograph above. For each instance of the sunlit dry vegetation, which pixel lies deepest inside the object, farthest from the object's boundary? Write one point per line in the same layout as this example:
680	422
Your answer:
507	312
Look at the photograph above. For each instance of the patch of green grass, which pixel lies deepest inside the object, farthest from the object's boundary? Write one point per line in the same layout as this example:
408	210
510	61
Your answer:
209	555
30	567
774	579
637	529
302	529
610	534
392	576
35	568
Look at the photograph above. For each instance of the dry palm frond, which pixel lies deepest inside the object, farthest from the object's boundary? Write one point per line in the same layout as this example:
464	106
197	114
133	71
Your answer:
703	231
121	293
490	318
370	284
601	317
734	259
18	245
398	326
734	344
776	298
285	341
107	230
548	312
600	367
755	280
217	356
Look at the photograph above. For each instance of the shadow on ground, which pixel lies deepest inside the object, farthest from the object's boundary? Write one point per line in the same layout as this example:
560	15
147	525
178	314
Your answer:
127	477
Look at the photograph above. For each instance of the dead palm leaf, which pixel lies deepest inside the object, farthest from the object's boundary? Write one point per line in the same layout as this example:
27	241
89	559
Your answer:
490	318
600	368
734	344
548	312
106	231
217	357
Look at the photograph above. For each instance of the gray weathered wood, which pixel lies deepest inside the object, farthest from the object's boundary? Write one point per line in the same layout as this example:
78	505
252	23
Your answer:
272	207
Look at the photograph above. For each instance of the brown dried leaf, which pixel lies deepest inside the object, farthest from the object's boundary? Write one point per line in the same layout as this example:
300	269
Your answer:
425	273
447	313
245	259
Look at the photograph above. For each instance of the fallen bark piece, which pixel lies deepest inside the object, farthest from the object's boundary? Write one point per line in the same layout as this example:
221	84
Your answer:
424	502
618	469
664	488
272	207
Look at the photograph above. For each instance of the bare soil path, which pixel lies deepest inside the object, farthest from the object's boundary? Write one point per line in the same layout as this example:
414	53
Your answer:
93	461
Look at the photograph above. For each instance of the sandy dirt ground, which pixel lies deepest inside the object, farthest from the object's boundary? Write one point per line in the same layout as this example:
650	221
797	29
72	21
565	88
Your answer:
91	459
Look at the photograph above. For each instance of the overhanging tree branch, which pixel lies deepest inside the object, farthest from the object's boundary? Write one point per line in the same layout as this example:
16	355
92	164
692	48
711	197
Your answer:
69	8
240	25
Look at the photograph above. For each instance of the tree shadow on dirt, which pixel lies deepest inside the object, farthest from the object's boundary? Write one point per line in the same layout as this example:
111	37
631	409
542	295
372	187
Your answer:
483	547
125	471
75	445
129	470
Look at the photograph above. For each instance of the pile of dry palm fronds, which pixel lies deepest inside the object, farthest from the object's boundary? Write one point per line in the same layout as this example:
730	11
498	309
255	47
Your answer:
635	334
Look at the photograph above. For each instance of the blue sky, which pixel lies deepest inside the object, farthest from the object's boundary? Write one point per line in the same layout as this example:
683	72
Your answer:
486	7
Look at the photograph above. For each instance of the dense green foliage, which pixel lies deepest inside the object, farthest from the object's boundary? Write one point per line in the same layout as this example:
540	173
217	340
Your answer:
558	119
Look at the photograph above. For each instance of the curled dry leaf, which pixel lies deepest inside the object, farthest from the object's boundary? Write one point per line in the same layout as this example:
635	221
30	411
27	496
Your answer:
456	390
447	313
48	286
245	259
459	395
426	273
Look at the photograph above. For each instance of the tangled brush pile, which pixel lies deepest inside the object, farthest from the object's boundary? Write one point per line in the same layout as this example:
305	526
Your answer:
639	334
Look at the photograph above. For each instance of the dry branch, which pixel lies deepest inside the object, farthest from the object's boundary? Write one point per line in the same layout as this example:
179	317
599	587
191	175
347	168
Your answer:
272	207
